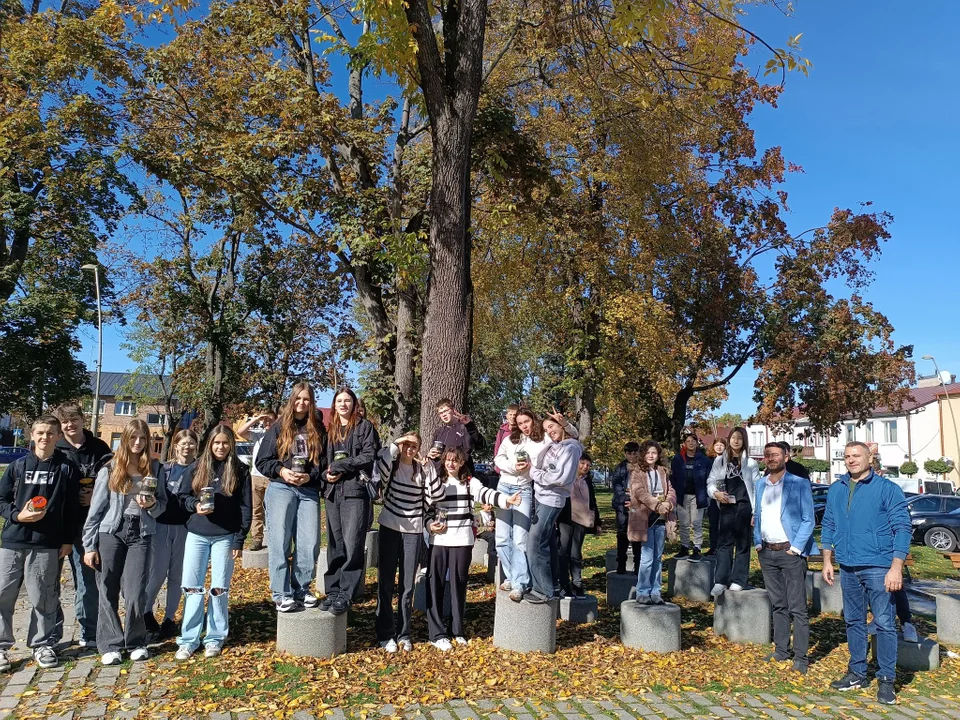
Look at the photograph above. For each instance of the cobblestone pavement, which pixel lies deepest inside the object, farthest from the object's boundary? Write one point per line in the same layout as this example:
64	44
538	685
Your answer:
94	691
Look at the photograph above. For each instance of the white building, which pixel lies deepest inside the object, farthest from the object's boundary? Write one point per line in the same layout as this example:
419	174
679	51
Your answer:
911	433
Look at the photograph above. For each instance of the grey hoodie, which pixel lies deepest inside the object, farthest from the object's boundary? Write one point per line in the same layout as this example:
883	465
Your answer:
555	472
106	510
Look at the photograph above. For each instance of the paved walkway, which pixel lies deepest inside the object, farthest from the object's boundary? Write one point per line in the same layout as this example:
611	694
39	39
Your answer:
89	690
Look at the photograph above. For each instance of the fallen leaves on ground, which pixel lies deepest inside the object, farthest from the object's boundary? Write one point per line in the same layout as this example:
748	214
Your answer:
590	662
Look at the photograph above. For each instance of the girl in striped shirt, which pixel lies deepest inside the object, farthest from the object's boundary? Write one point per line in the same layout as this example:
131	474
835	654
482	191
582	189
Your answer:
452	530
410	485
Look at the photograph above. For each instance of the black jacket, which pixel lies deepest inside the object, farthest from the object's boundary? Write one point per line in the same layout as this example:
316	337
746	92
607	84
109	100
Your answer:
231	513
456	434
92	455
702	465
269	463
361	447
795	468
619	483
58	480
174	476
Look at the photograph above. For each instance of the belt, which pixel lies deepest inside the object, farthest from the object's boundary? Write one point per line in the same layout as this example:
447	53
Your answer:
776	546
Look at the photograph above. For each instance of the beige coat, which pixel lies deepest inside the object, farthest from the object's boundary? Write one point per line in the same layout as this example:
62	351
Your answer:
642	502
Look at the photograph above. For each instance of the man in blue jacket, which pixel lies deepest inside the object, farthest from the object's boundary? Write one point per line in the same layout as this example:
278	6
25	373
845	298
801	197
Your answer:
783	536
689	471
867	525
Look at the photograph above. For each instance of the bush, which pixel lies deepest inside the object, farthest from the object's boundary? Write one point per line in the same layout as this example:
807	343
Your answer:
909	468
816	465
937	467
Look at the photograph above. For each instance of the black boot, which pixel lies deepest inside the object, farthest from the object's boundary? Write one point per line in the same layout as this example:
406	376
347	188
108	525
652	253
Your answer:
637	549
622	544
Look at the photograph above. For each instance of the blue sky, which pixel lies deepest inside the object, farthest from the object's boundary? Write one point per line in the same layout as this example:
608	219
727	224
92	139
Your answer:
876	120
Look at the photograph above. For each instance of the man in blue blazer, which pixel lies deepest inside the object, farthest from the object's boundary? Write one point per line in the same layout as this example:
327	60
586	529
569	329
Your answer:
783	536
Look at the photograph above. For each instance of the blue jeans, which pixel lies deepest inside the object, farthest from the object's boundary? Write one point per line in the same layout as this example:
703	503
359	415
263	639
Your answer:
650	575
860	586
513	526
539	544
293	517
199	552
86	602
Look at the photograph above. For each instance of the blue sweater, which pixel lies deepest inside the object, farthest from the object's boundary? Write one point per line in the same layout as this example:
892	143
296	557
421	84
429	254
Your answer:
871	528
796	513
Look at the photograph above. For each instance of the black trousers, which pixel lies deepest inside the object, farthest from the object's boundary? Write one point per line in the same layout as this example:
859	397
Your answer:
571	554
346	535
124	564
713	516
785	578
457	561
401	551
735	533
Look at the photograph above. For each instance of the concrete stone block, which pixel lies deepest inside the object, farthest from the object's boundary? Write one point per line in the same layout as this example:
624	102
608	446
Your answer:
744	617
312	633
913	657
321	571
578	611
948	618
610	559
420	595
691	579
655	628
371	548
827	598
256	559
809	586
484	551
618	587
523	626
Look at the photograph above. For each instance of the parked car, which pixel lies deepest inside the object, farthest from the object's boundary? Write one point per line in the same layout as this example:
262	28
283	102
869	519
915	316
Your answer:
8	454
819	500
244	452
936	521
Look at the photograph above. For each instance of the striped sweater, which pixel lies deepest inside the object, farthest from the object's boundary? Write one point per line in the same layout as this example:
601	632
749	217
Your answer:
458	500
408	490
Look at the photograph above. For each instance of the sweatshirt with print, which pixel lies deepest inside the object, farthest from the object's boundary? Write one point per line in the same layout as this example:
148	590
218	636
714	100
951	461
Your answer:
58	480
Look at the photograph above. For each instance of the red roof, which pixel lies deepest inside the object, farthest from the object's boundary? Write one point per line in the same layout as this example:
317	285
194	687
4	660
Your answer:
920	396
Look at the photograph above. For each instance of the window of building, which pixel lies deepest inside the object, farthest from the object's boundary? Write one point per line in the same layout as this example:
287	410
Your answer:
893	472
156	419
115	441
88	406
890	431
818	440
851	432
869	430
125	407
157	445
756	438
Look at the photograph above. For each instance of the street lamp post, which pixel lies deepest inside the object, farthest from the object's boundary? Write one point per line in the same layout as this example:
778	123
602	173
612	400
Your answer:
95	269
946	394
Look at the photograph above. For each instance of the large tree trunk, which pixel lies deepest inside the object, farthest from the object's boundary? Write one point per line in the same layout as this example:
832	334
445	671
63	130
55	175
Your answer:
213	409
448	331
404	375
451	89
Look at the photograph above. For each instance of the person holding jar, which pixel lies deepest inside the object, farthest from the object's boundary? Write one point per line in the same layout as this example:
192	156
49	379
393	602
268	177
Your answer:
116	542
219	500
166	563
352	446
292	455
518	453
652	502
731	483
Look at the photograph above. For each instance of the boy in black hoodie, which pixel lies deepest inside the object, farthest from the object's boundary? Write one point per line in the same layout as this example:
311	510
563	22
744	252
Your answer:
40	506
89	453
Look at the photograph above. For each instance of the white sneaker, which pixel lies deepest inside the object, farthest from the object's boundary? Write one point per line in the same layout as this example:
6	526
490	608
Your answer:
506	586
86	643
460	640
443	645
871	628
405	645
910	633
718	590
310	600
183	653
139	654
46	657
212	650
111	658
4	661
736	587
389	646
287	604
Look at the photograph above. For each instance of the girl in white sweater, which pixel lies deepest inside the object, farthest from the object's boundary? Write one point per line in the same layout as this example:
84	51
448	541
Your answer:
453	538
